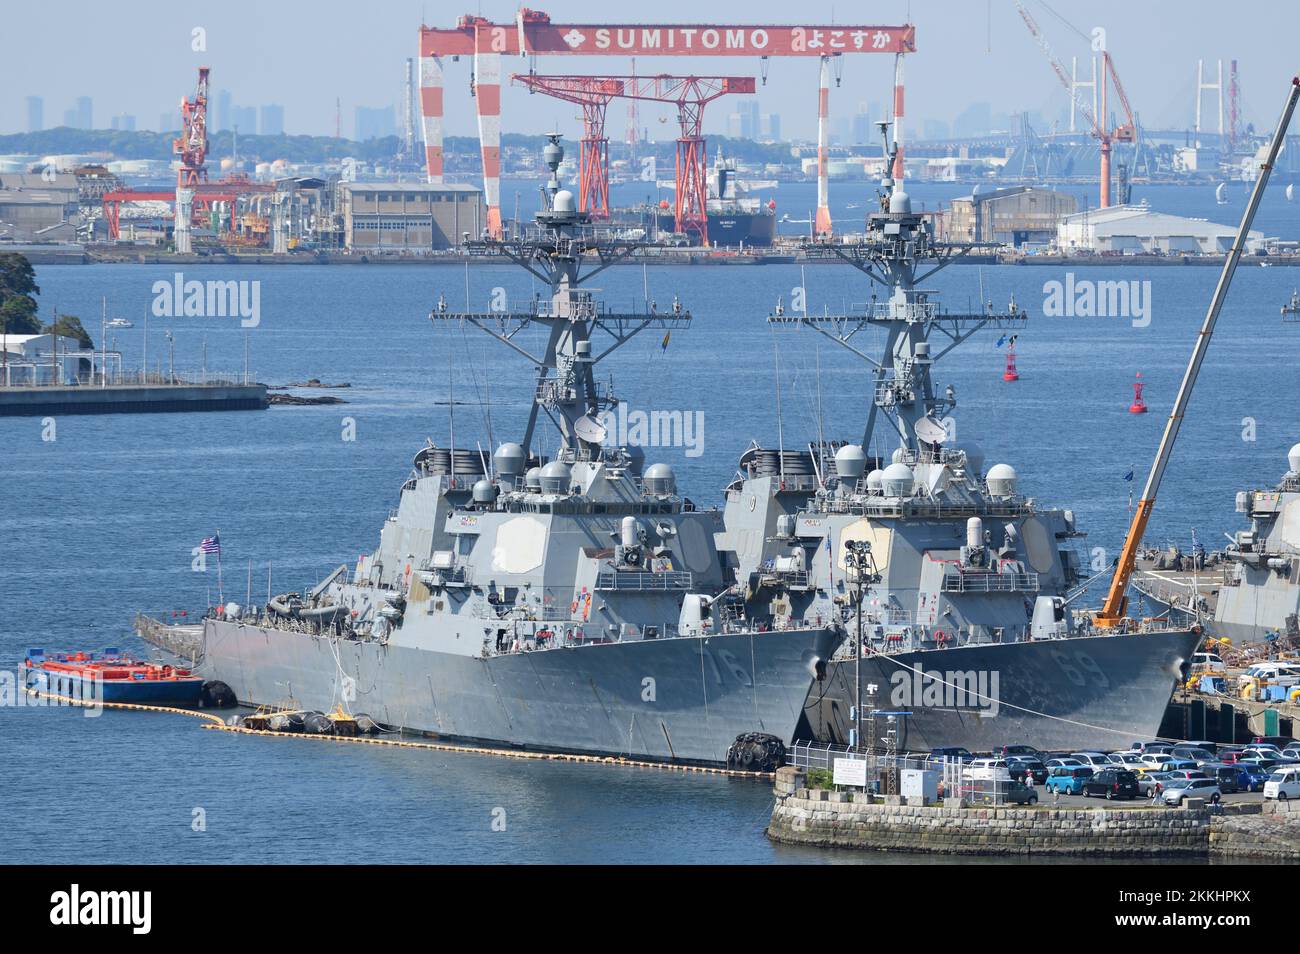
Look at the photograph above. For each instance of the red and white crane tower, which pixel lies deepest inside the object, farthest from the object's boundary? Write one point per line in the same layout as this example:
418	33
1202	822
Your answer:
1105	135
192	144
690	94
533	34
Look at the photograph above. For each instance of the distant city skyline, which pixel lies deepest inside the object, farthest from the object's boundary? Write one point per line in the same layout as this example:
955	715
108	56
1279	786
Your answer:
977	67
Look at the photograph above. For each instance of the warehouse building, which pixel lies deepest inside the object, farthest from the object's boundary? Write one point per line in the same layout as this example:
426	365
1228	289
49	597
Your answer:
1017	215
1137	230
36	208
411	217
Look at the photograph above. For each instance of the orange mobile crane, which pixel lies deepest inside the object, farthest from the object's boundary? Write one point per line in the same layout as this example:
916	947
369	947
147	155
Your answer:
1112	613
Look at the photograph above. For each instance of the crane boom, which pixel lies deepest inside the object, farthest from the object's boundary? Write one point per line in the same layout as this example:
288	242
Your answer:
1113	610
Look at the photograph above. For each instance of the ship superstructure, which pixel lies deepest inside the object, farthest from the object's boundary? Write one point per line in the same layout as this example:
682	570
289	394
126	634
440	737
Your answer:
569	603
967	629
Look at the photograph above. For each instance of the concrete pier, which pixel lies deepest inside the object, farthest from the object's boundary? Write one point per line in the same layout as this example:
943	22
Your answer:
124	399
857	820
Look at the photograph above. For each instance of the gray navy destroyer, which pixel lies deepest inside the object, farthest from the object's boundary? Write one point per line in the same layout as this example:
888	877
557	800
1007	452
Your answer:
960	585
574	604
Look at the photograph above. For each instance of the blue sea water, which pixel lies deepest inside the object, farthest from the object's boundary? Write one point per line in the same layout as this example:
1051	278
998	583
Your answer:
100	522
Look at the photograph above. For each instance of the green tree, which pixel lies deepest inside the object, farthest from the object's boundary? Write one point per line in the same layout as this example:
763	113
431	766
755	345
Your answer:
18	289
70	327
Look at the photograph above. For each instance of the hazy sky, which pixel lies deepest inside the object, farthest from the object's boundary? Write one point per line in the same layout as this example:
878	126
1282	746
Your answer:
136	57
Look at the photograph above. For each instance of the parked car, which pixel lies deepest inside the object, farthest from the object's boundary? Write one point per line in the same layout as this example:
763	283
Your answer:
1018	765
1283	784
1064	761
1277	741
1230	756
1157	760
1149	747
1006	751
1228	776
1094	760
1149	780
987	769
1194	753
1068	779
952	752
1250	777
1178	790
1264	748
1129	760
1180	774
1112	783
1175	764
1208	662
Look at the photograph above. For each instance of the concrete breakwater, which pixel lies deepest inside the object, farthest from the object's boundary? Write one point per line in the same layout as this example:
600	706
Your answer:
827	819
119	399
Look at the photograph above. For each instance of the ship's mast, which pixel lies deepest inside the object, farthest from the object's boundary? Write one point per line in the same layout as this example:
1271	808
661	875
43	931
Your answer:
555	252
898	243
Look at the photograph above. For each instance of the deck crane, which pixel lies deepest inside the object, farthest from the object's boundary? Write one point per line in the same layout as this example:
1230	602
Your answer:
1101	131
1112	613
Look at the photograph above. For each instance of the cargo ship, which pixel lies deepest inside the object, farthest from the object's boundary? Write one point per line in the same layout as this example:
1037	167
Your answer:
735	216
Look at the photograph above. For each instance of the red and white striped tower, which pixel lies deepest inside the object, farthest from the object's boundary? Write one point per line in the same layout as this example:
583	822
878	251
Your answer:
823	220
897	172
431	114
487	93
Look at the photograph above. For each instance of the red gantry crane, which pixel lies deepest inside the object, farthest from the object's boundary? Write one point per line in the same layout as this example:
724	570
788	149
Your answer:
1125	132
690	94
532	34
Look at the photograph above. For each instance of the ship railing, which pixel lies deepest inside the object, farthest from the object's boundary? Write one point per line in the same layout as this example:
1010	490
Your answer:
644	581
989	582
899	508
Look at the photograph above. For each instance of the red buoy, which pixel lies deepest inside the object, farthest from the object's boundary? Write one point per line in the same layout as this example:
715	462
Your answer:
1138	406
1011	374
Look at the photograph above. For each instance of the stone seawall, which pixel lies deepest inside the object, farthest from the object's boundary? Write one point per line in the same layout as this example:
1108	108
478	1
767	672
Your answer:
120	399
854	820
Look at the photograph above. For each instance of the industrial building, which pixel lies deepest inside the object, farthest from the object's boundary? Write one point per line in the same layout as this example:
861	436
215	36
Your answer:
1137	230
34	208
1013	216
44	359
414	217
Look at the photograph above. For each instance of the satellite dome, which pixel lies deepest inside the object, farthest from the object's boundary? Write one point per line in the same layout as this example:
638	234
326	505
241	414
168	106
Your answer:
875	481
897	480
1293	459
509	460
564	202
1002	480
660	480
899	455
900	202
533	479
554	478
850	462
484	492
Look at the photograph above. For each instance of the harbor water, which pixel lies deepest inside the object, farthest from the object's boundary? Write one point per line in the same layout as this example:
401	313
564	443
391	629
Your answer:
102	514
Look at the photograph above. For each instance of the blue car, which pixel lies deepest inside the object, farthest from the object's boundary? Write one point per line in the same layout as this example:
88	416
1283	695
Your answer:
1251	778
1068	779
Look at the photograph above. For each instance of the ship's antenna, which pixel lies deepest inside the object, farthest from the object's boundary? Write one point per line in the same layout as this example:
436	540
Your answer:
821	431
780	430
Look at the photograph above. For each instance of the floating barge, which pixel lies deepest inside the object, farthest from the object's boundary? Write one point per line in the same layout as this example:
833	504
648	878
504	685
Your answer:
128	399
109	677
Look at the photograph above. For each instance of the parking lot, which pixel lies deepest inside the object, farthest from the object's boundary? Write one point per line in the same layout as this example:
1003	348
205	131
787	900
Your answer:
1045	799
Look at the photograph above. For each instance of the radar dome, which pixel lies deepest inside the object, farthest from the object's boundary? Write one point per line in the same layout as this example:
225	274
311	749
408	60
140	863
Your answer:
899	455
875	481
900	203
850	462
660	480
554	478
552	154
1293	459
564	202
533	479
484	492
509	460
1002	480
897	480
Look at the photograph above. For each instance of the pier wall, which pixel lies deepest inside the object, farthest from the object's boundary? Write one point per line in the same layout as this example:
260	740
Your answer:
828	819
120	399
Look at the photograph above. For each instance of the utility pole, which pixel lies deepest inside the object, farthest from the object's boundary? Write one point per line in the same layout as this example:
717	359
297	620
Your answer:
171	355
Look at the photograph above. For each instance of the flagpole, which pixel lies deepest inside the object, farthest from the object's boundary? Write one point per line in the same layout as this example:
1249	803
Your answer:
221	599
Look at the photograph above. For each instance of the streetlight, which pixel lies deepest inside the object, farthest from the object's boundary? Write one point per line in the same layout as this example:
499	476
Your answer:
171	355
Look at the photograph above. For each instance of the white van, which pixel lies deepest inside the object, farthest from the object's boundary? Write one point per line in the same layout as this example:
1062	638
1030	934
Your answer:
987	770
1277	673
1283	784
1203	663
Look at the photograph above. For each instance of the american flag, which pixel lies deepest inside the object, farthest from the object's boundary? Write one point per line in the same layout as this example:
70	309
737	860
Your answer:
211	544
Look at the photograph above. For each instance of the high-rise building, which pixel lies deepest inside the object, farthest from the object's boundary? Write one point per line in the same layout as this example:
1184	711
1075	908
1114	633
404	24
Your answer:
772	126
169	121
373	122
124	122
860	128
223	110
272	122
35	114
85	110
